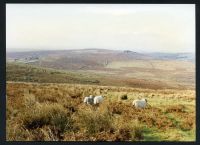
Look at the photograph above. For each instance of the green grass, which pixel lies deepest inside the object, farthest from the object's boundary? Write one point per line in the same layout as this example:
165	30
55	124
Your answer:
152	134
28	73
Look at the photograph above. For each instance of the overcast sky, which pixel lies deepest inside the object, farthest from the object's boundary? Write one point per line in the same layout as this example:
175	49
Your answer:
138	27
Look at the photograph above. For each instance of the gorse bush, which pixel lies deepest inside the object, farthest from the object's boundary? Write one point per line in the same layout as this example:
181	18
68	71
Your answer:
47	114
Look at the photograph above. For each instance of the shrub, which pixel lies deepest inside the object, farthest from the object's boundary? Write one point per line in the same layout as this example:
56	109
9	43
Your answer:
74	93
118	107
128	131
29	100
187	123
17	133
175	108
47	98
48	114
95	121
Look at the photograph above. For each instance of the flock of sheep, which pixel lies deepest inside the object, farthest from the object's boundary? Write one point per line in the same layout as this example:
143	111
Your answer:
93	100
96	100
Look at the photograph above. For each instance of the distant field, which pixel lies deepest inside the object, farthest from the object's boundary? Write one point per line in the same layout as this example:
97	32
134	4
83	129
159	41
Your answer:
170	72
131	77
153	64
52	112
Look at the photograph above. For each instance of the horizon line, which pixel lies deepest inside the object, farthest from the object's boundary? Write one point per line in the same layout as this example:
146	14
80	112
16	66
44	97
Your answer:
142	51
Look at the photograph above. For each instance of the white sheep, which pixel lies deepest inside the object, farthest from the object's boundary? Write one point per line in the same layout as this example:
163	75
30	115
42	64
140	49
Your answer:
89	100
98	100
86	99
140	103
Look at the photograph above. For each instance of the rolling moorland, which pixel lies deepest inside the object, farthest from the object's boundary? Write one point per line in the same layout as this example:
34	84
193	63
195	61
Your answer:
45	92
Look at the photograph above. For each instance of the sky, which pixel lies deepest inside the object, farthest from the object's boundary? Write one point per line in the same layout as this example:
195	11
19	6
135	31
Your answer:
137	27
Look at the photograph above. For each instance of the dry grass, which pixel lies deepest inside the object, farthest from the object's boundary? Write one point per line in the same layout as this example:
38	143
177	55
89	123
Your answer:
55	112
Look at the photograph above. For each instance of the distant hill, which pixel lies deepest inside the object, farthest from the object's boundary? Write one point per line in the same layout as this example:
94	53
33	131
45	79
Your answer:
93	59
104	67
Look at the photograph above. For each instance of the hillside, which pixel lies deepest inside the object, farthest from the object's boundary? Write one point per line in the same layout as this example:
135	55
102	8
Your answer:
56	112
76	59
29	73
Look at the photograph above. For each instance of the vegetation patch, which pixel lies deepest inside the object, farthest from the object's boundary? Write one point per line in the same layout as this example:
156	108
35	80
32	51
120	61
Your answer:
50	112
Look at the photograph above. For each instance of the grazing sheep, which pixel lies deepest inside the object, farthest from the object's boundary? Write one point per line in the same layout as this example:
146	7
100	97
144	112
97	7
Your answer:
98	100
140	103
89	100
86	99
